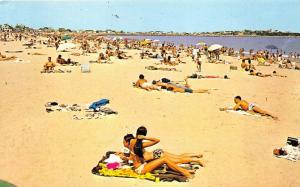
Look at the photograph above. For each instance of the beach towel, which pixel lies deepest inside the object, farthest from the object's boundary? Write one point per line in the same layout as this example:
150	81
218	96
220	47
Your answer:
98	104
126	170
241	112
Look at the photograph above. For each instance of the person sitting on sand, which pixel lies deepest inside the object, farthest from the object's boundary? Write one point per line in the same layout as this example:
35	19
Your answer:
101	58
244	65
159	153
142	167
258	74
179	88
248	107
49	66
60	60
142	83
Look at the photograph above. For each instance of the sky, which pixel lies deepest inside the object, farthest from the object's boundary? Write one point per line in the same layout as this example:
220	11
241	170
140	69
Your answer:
155	15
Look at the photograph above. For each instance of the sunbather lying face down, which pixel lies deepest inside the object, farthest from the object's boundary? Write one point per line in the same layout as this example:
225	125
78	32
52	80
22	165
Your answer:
252	72
249	107
179	88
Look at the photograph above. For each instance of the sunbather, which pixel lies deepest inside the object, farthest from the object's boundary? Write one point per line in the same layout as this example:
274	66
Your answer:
49	66
277	75
248	107
258	74
5	58
159	153
142	83
142	167
60	60
179	88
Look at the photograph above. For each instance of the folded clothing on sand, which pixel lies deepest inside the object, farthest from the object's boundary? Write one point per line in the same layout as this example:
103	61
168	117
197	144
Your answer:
291	151
82	111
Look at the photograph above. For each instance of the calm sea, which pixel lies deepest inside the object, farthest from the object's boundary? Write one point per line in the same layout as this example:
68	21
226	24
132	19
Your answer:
287	44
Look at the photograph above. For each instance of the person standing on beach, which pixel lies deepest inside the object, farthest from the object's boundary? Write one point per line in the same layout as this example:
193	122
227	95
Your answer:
198	62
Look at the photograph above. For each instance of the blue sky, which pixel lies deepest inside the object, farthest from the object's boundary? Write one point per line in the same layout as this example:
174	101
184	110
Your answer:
155	15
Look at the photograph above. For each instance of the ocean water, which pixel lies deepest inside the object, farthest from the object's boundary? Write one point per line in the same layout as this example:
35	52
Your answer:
287	44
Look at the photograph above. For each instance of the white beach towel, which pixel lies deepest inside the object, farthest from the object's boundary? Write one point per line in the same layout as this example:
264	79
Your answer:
241	112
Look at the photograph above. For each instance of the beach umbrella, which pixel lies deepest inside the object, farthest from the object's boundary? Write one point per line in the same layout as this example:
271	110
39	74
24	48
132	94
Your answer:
271	46
65	46
214	47
117	38
201	43
156	41
66	37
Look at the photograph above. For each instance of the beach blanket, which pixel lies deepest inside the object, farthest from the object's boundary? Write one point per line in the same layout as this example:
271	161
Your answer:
57	71
125	169
161	68
241	112
13	51
80	111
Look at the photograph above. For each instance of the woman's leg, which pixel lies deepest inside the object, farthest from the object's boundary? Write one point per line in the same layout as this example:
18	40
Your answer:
183	155
180	159
149	167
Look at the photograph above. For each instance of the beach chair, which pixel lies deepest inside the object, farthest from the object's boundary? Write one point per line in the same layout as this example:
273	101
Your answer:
85	68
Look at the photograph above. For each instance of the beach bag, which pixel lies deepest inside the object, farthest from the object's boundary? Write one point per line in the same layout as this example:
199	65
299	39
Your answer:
98	104
233	68
293	141
165	80
85	68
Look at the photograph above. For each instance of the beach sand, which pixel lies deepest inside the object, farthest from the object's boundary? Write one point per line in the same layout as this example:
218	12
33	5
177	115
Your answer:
51	149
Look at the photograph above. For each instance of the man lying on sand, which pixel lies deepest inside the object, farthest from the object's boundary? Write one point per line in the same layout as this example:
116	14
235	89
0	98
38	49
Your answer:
49	66
277	75
186	88
258	74
62	61
248	107
196	76
5	58
142	83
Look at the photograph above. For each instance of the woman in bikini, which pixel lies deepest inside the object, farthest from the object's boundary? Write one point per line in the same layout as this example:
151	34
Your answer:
142	167
159	153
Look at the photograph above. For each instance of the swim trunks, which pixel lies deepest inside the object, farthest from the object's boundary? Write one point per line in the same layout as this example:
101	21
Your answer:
188	90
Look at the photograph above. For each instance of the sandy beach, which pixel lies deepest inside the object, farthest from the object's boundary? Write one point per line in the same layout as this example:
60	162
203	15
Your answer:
51	149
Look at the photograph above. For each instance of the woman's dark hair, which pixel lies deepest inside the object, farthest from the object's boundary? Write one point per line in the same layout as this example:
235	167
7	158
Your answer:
138	147
163	87
141	131
128	137
238	97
